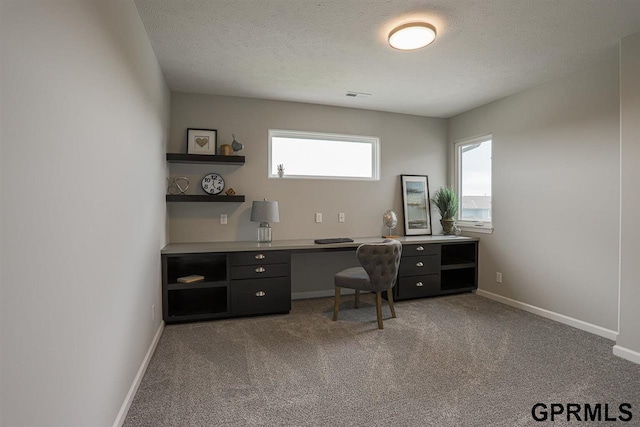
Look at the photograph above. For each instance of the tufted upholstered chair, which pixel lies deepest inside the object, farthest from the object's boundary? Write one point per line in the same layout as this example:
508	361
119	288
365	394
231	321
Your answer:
380	262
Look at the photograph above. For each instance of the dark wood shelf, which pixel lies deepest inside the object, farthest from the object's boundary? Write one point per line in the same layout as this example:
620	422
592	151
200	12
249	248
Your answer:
469	264
204	198
203	158
446	291
188	316
197	285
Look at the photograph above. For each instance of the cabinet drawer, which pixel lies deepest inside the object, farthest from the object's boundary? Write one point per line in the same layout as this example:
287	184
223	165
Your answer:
259	258
424	249
260	296
260	271
419	286
419	265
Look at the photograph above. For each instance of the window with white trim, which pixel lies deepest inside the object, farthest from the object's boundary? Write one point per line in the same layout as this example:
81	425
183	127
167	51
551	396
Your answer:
473	183
316	155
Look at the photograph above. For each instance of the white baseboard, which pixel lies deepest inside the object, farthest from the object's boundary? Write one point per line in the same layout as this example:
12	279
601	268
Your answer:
138	379
625	353
579	324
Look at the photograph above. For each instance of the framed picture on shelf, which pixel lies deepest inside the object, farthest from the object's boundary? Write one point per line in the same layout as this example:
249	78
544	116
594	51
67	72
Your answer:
202	141
415	202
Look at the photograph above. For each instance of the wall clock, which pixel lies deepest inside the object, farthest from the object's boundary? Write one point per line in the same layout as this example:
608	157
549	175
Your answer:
213	184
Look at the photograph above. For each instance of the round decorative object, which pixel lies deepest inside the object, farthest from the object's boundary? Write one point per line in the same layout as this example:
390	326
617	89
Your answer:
390	220
213	184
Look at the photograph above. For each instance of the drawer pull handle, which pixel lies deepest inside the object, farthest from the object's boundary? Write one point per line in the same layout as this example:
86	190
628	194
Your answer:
419	264
419	248
419	284
260	293
260	256
260	270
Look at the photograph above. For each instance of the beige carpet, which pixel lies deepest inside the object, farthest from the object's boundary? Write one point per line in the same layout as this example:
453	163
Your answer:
460	360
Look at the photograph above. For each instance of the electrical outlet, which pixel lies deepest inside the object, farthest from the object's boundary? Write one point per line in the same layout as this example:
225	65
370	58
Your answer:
223	219
153	312
318	217
341	217
498	277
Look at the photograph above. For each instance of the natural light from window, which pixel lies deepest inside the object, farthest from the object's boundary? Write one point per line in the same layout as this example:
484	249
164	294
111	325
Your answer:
474	180
315	155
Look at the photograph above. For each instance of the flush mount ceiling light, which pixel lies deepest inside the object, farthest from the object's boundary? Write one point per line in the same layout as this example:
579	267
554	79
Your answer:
412	36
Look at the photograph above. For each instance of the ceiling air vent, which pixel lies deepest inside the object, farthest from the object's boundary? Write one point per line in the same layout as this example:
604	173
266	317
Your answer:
357	94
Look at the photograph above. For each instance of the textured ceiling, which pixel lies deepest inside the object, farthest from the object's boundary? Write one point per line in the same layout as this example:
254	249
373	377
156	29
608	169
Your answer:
316	51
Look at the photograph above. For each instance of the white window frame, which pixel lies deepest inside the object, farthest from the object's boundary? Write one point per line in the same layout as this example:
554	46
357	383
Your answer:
373	141
465	225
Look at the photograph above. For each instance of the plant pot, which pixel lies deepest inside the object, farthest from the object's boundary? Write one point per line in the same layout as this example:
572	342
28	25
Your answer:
448	226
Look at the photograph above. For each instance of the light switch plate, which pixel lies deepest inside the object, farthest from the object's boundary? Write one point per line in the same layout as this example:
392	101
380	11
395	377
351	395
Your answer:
223	219
318	217
341	217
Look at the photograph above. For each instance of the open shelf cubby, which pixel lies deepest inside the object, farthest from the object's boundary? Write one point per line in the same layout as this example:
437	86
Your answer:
459	279
198	302
458	254
212	266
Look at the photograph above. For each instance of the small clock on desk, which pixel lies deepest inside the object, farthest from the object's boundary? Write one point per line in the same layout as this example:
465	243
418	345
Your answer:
213	184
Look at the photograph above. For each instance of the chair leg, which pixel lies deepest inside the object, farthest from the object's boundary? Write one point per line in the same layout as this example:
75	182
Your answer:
357	302
336	304
379	309
390	300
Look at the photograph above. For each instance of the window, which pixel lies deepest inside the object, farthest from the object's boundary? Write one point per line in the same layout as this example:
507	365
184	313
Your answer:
473	183
323	155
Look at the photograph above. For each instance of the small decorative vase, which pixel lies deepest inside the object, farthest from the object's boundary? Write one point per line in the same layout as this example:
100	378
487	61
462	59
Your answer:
448	226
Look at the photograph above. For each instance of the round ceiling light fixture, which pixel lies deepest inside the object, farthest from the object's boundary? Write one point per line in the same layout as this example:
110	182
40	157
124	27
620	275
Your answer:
412	36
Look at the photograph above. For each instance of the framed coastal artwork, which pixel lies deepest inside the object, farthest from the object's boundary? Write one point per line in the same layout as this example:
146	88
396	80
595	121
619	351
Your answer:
416	206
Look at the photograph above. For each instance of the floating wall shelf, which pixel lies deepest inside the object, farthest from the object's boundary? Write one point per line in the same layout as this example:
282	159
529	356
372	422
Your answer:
201	158
204	198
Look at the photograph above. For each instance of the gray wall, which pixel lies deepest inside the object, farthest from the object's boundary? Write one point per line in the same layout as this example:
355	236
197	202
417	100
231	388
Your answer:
409	145
630	231
83	128
555	194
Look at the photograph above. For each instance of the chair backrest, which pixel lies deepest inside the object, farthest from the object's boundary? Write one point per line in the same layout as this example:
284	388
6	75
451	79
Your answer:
381	262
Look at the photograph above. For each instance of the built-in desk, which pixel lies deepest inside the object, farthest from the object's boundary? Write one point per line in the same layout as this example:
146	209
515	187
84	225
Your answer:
250	278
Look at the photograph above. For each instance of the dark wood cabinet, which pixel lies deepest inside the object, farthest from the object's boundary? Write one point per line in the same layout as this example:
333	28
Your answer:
260	282
437	269
206	299
417	286
246	278
261	296
235	284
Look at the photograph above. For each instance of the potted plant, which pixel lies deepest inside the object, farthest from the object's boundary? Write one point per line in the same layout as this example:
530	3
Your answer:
446	201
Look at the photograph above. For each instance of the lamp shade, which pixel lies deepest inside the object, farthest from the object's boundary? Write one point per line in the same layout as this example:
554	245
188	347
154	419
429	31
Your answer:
264	211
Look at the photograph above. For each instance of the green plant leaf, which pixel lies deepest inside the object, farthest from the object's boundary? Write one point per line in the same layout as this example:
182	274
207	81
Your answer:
445	200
